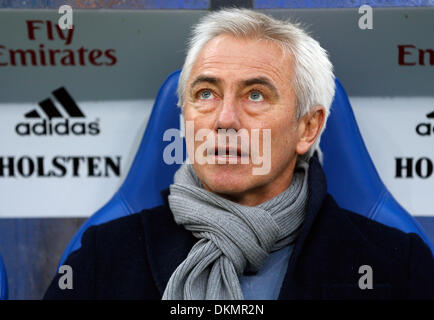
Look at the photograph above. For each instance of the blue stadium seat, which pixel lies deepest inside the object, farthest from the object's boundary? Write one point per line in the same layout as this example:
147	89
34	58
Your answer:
351	175
3	281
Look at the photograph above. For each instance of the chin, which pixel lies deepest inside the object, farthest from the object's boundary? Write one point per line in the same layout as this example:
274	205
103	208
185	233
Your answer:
227	179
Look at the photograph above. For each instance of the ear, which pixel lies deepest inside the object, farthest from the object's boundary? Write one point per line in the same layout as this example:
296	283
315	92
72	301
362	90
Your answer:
309	127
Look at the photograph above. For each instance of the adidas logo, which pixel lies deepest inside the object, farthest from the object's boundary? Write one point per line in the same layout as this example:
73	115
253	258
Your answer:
426	128
57	122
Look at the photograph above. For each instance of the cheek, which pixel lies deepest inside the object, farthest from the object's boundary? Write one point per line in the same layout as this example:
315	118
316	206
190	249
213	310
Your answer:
188	113
197	131
200	118
283	140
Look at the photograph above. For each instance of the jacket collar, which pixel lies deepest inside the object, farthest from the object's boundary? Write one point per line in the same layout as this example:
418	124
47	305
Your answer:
317	190
168	244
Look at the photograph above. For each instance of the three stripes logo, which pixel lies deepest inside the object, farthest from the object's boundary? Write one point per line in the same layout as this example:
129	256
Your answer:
71	121
50	109
426	128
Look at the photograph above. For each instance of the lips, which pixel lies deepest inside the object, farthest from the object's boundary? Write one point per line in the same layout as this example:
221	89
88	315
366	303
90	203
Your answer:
226	153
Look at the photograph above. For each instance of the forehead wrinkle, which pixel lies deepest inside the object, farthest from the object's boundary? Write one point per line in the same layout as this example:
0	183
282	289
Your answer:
263	68
214	61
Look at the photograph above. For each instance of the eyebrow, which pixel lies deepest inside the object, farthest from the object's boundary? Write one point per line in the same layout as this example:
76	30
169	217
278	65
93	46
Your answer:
262	81
207	79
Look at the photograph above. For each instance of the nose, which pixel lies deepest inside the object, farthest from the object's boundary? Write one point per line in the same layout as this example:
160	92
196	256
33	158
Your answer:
227	117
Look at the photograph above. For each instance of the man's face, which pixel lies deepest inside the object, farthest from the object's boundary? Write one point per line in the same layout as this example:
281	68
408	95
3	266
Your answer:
244	85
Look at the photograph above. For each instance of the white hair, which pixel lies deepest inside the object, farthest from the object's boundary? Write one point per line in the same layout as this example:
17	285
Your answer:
313	79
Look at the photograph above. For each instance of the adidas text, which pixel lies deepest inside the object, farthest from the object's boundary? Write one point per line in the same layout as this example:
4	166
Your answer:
62	127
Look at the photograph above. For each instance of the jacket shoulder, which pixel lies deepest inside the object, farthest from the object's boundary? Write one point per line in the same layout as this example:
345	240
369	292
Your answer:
111	263
129	229
343	242
352	225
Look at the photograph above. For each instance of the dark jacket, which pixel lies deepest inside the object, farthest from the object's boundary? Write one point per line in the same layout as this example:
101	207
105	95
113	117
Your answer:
133	257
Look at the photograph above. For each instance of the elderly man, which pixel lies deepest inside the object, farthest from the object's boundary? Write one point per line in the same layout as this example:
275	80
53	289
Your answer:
226	232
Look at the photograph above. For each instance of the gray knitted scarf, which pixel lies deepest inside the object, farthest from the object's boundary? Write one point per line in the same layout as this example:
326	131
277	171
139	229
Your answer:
233	238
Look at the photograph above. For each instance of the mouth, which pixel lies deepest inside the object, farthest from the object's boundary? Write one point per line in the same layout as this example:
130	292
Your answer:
226	154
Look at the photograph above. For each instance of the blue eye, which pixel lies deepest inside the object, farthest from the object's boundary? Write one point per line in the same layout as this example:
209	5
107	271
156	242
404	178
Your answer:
205	94
256	96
